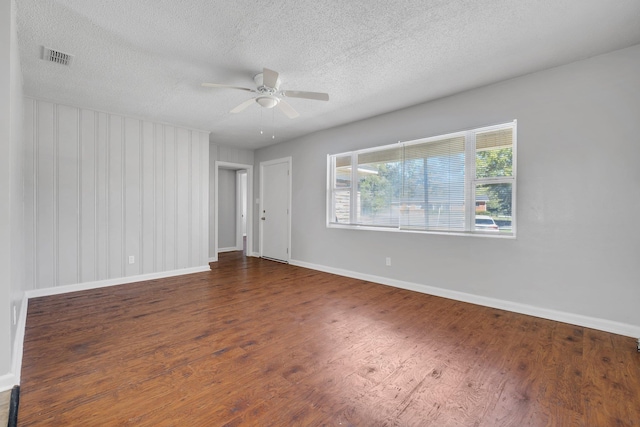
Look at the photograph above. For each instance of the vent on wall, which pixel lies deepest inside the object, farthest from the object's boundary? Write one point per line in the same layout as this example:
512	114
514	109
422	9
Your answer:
56	56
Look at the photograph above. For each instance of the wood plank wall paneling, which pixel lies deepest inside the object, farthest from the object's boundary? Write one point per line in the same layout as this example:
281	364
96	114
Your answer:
87	185
29	136
147	207
45	215
67	141
101	191
101	187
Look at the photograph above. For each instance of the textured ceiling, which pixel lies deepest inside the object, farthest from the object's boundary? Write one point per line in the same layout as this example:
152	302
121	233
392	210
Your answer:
147	58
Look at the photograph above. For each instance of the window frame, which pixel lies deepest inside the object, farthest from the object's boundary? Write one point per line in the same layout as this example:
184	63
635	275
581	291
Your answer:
471	181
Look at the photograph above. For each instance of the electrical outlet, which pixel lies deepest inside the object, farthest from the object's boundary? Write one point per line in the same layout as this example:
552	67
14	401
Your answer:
388	261
132	259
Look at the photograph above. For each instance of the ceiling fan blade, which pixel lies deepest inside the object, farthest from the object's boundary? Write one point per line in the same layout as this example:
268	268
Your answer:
307	95
244	105
269	77
287	109
227	86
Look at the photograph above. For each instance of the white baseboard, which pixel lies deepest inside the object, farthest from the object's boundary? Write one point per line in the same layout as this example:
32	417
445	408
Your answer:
230	249
7	382
559	316
18	341
255	254
213	259
11	379
113	282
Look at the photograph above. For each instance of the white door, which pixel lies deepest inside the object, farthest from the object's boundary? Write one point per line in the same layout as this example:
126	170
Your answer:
274	209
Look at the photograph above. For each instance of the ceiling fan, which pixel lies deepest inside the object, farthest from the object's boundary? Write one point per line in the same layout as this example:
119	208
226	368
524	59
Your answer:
269	93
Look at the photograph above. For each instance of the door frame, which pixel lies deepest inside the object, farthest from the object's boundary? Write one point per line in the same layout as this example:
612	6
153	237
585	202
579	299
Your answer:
239	218
289	162
232	166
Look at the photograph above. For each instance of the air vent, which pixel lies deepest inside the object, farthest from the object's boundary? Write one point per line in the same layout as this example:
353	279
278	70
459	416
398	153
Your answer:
56	56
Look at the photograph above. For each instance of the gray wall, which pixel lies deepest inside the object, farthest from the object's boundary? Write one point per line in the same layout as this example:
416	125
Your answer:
234	155
101	187
578	197
11	191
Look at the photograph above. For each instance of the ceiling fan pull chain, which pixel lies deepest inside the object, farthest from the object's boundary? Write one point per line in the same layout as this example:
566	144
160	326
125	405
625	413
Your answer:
273	124
261	122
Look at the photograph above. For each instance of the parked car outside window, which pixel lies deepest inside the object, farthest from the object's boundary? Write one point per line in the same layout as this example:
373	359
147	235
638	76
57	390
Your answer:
486	223
504	223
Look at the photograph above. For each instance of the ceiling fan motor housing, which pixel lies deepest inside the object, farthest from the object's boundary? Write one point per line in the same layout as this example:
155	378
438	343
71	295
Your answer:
259	80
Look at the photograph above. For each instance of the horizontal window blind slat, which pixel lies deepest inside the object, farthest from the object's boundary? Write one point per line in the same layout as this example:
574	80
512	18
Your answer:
502	138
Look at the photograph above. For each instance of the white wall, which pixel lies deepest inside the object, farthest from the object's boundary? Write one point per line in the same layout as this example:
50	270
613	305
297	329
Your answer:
230	155
102	187
11	192
234	155
5	186
578	198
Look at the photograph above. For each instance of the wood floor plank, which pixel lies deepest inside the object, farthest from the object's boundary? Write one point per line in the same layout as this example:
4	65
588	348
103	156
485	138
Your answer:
610	376
255	342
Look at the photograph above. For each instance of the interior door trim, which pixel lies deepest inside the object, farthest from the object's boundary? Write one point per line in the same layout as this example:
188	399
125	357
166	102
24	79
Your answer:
289	161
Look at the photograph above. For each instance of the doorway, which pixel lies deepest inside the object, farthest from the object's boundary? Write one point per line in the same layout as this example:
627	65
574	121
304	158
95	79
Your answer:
233	192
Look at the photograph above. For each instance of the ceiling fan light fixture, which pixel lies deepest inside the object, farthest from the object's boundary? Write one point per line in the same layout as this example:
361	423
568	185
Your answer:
267	101
269	94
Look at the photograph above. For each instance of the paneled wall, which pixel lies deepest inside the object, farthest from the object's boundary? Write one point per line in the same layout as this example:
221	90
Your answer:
102	188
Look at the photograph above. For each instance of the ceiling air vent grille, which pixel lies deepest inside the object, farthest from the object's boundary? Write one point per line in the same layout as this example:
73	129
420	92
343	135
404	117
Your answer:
56	56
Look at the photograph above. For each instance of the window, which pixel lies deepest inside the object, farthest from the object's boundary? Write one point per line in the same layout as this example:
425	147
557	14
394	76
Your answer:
456	183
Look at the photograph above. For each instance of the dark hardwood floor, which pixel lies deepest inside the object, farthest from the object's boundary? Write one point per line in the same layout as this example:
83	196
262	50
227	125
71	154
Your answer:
258	343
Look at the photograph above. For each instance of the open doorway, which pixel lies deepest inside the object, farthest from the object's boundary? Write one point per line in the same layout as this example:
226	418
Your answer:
232	217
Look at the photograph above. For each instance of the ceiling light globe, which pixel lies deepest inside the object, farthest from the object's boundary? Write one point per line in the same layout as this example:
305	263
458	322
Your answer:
267	101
